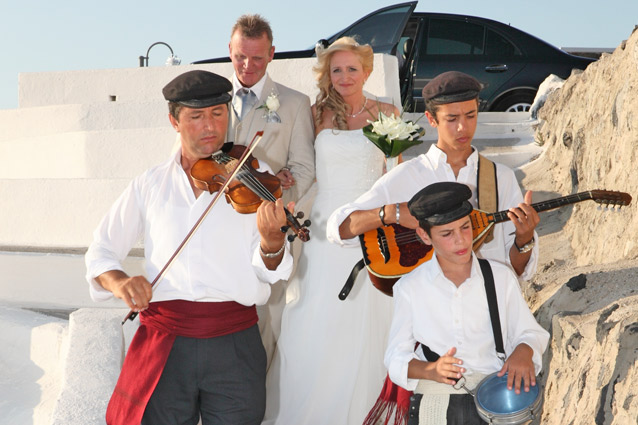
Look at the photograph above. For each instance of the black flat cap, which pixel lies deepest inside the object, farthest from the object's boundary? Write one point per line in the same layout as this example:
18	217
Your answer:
198	89
441	203
450	87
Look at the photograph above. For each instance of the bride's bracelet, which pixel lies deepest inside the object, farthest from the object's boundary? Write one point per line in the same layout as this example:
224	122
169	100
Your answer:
398	211
272	254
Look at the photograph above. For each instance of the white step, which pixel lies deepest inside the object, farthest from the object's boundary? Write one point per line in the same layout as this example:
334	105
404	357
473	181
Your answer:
120	153
16	124
54	212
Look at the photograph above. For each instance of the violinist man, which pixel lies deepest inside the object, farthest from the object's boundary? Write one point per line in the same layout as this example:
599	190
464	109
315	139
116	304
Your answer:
197	351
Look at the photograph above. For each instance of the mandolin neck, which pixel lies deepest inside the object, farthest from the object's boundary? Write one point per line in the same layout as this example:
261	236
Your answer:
501	216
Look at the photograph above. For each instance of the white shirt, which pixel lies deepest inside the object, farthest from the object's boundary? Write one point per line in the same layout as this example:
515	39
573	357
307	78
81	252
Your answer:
405	180
430	309
220	263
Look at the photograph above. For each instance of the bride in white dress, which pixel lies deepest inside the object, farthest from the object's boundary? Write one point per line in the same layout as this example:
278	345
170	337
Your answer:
328	368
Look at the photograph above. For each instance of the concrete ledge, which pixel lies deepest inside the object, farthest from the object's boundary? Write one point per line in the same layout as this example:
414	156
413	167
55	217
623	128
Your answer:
95	352
31	359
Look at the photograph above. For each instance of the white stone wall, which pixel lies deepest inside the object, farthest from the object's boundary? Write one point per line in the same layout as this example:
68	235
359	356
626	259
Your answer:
137	84
78	137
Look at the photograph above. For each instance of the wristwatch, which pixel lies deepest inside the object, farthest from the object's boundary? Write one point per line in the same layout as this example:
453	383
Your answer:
525	248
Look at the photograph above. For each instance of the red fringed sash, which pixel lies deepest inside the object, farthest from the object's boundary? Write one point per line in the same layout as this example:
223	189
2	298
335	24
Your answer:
394	401
152	343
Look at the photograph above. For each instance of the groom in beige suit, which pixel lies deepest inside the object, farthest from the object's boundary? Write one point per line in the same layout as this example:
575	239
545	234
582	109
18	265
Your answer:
288	141
287	145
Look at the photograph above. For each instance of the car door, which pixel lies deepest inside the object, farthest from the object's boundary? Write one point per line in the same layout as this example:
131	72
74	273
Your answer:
380	29
449	43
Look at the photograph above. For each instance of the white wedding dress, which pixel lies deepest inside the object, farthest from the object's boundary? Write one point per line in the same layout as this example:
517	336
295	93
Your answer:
328	367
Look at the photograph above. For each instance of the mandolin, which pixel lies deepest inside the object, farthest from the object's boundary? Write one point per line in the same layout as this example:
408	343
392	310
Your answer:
392	251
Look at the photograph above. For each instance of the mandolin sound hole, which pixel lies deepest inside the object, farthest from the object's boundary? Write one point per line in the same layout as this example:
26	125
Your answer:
412	252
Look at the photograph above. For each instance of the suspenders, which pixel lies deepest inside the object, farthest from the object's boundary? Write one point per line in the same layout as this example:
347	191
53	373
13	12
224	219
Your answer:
431	356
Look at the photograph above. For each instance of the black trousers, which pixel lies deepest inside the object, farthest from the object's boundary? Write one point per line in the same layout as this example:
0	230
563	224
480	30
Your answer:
460	411
223	379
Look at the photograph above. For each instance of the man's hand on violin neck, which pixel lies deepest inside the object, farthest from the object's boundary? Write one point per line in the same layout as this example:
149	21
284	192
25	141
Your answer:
270	219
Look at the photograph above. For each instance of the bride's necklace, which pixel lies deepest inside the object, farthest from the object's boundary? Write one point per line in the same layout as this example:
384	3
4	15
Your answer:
362	108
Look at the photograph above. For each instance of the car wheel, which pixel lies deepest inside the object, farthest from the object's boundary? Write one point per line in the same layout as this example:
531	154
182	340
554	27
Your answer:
517	102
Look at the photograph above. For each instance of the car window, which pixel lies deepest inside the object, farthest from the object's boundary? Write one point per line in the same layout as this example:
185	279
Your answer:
497	45
451	37
381	30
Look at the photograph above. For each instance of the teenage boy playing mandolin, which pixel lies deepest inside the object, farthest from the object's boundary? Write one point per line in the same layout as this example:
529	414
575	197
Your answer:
443	305
451	101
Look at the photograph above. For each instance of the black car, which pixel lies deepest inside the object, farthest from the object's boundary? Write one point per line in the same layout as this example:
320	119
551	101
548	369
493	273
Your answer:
510	63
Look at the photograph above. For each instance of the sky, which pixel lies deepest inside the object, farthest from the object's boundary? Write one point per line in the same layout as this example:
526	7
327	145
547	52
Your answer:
69	35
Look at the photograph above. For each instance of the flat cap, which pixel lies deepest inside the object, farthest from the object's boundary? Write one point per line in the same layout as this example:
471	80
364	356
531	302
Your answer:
441	203
450	87
198	89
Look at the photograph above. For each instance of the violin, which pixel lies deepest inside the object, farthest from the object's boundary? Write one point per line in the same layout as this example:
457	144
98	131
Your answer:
249	188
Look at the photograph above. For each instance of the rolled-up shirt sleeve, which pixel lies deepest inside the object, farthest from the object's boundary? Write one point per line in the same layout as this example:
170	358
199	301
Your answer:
283	270
334	221
401	341
373	198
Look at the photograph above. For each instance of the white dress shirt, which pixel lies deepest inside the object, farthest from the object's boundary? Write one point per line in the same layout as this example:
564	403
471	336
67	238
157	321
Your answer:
406	179
220	263
431	310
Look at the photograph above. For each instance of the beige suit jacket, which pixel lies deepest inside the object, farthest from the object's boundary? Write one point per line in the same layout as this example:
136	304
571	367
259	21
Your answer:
286	144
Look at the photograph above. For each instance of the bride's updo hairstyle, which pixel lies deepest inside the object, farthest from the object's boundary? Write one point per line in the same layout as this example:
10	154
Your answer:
328	98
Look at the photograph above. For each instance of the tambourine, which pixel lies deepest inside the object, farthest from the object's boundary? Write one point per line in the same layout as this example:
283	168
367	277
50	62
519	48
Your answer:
497	405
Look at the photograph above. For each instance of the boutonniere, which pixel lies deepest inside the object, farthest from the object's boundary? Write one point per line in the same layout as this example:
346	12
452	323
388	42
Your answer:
270	106
393	135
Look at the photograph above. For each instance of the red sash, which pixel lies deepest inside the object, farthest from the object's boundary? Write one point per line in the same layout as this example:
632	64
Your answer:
152	343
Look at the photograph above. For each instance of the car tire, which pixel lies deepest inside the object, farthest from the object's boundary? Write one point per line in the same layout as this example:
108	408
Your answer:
516	102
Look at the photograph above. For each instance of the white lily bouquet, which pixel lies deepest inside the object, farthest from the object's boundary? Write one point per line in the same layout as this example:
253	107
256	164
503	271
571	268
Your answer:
393	135
271	105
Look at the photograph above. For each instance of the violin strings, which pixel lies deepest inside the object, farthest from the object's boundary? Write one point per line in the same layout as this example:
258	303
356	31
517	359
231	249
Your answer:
246	177
249	180
255	185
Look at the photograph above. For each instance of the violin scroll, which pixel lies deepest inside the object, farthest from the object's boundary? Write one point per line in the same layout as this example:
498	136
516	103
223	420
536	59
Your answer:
301	230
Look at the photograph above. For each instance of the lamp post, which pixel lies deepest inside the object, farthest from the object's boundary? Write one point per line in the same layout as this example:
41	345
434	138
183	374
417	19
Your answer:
172	59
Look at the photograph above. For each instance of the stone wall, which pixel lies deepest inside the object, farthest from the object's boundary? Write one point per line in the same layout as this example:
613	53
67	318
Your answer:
586	289
590	130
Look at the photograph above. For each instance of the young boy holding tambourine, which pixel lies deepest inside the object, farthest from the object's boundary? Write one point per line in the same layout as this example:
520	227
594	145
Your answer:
443	306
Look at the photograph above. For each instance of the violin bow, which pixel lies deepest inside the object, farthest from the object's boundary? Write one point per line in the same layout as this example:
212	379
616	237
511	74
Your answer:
244	157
